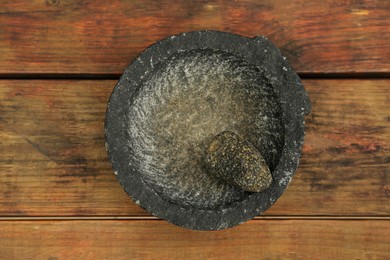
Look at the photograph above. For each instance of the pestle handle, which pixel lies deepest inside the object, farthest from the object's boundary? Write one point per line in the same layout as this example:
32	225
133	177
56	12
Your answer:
237	162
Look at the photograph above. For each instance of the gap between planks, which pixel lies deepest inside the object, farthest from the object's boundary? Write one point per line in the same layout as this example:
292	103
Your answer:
116	76
274	217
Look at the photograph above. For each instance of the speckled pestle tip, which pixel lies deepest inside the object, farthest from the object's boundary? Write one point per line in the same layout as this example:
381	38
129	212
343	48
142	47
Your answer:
238	162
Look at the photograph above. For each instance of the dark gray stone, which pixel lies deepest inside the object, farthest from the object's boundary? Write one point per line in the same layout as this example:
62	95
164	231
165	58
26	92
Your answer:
179	94
238	162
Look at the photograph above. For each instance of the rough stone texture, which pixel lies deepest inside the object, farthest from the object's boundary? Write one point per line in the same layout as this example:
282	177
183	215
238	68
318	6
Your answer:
238	162
153	92
187	100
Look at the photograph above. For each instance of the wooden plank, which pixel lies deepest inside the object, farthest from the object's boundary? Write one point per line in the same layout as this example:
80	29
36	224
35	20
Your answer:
327	36
257	239
53	161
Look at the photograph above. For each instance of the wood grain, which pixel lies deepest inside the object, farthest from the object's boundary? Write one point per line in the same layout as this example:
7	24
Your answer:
53	161
93	37
257	239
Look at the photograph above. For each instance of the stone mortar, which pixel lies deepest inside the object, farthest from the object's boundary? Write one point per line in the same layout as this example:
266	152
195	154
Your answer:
180	93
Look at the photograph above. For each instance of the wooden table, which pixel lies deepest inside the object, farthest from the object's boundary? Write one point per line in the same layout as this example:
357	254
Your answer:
59	61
